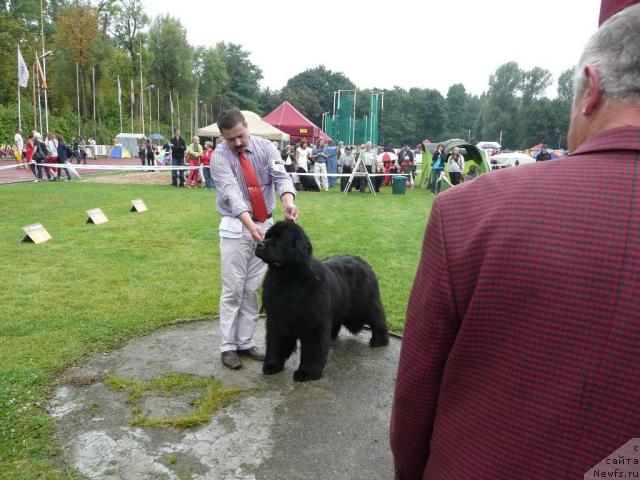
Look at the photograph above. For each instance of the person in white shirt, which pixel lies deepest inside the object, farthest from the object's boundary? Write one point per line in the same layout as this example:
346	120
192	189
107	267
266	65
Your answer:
52	154
303	152
18	141
92	148
455	166
368	157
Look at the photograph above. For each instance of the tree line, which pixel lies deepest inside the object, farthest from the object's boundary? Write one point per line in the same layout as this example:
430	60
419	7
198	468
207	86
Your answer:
102	41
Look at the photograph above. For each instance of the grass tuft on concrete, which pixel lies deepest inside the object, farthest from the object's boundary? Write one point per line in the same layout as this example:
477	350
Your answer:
214	397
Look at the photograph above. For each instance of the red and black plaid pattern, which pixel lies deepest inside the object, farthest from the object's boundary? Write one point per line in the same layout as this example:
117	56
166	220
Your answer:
521	348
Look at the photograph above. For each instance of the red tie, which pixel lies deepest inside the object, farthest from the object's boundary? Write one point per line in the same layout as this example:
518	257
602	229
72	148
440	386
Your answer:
255	192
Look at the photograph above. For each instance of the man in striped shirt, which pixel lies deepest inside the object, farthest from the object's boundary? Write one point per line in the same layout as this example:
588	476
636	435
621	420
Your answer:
241	165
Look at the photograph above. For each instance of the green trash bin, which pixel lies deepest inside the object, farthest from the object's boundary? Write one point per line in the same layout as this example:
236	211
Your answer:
398	184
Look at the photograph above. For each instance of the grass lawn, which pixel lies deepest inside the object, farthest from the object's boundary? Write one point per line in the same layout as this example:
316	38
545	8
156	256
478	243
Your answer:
92	287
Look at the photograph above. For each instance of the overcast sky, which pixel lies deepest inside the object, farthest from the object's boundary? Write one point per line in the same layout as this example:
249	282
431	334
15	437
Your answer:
407	43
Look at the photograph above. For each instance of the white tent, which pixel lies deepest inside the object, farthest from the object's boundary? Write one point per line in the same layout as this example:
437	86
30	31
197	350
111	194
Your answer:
256	126
510	159
129	141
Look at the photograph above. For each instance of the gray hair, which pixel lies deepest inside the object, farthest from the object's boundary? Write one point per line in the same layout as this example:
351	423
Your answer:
614	51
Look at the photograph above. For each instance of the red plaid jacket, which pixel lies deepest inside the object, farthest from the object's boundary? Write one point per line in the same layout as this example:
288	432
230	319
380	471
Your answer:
521	348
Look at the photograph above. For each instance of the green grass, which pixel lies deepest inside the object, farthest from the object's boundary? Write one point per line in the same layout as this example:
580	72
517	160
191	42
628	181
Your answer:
214	396
93	287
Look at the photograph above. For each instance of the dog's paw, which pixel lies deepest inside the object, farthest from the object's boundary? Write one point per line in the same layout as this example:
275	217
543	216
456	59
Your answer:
270	368
379	340
305	376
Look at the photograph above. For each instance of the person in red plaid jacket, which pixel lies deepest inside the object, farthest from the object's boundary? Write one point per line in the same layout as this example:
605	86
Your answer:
521	350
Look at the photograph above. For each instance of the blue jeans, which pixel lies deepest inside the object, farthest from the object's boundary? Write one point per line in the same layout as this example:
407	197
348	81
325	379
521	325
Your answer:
434	185
208	181
177	174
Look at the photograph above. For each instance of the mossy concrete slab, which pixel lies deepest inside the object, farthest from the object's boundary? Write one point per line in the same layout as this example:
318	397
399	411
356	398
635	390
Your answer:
333	428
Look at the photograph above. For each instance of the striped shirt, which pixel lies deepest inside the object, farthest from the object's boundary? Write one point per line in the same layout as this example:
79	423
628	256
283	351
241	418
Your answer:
233	195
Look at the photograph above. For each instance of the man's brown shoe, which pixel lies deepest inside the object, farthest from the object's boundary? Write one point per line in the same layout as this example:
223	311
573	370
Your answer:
230	359
252	353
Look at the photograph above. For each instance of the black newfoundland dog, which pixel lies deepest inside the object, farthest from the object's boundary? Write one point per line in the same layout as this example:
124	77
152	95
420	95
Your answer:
310	300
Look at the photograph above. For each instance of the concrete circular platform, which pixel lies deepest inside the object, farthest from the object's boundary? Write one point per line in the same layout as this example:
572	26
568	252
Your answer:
334	428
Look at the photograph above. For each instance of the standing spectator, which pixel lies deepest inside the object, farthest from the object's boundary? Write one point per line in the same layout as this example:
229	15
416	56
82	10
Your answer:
206	165
348	161
193	154
405	156
303	155
93	148
242	168
522	336
438	162
341	150
29	156
39	156
178	148
63	157
149	153
320	157
544	154
75	147
368	157
83	151
455	166
142	153
52	155
18	142
332	162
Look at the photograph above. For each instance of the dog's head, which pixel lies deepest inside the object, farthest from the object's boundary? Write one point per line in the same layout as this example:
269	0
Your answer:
285	243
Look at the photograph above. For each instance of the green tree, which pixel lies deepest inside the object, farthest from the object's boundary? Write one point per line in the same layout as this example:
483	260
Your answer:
534	83
243	90
214	79
498	115
304	99
456	106
565	86
322	82
126	22
172	64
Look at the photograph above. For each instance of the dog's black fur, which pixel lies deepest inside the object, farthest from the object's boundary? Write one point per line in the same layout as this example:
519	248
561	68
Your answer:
309	300
309	183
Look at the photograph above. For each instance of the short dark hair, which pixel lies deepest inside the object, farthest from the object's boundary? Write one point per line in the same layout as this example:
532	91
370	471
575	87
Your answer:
229	118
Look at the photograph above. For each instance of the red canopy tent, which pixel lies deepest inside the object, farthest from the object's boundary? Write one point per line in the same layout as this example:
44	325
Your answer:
291	121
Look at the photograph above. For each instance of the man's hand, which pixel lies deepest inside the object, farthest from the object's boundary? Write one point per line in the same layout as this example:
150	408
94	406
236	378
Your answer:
256	233
290	210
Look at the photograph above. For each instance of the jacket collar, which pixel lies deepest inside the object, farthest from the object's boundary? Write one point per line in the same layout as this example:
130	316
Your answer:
622	138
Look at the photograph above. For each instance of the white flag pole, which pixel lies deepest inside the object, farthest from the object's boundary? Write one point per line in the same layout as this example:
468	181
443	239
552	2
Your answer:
120	102
132	102
19	103
95	132
78	95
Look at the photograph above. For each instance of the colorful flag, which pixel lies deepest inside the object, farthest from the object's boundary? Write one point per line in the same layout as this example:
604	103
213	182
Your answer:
23	71
43	82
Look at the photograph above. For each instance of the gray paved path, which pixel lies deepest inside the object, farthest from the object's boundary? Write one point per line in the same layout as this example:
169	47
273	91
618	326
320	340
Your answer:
334	428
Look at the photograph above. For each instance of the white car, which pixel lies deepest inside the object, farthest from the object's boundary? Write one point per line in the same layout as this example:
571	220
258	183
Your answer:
503	160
